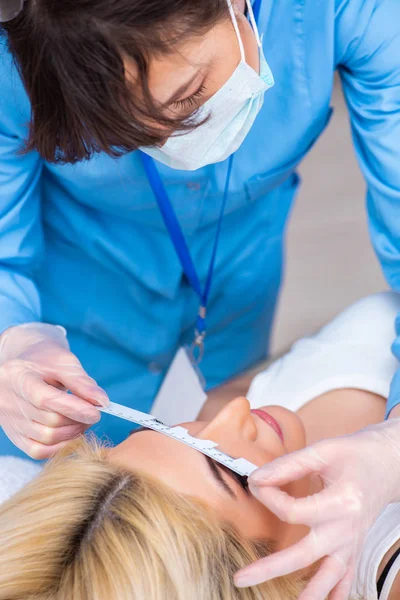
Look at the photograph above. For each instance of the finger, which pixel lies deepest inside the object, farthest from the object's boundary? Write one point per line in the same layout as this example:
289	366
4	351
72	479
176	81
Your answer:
289	468
51	419
35	449
331	571
71	375
343	589
47	397
39	451
44	417
298	556
318	508
84	387
53	435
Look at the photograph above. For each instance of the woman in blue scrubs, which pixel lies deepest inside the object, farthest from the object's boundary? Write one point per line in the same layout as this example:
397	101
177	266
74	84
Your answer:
83	245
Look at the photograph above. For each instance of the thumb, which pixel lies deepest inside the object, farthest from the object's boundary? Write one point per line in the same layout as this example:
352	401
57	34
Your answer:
290	467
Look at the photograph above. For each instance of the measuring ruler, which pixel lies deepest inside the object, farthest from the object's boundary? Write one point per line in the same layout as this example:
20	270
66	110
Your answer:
180	434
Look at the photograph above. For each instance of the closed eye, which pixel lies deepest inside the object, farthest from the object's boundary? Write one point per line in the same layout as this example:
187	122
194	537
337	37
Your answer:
191	101
216	469
138	430
242	479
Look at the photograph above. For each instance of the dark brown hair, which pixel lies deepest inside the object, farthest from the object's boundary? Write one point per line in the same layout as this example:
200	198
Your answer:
70	55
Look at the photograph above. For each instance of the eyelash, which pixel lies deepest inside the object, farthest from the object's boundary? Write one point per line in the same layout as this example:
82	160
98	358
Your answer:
243	480
190	102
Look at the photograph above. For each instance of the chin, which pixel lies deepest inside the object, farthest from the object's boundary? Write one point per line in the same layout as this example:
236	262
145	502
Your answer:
292	426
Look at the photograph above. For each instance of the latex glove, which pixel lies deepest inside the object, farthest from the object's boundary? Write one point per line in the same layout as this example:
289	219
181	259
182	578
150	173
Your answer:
361	475
36	369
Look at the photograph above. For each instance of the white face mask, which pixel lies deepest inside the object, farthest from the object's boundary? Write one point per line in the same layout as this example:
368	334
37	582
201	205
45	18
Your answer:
231	113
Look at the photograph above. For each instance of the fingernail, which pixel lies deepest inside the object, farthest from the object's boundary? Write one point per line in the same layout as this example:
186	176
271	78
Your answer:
61	328
242	581
100	396
255	480
259	478
91	419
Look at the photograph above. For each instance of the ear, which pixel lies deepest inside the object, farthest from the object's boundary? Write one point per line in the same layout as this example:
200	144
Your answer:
239	5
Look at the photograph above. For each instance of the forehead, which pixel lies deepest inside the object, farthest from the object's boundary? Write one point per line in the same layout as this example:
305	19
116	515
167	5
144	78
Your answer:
195	55
166	458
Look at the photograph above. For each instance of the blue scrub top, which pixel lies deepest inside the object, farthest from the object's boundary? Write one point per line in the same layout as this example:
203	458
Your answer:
84	246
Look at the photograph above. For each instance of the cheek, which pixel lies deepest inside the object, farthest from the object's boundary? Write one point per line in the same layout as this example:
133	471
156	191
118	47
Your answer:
250	45
224	50
257	522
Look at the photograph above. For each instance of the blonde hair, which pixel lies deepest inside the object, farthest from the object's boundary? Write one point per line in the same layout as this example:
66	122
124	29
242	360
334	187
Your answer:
85	529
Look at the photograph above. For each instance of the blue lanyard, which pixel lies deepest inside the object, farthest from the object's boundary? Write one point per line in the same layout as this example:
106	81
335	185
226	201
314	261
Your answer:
179	242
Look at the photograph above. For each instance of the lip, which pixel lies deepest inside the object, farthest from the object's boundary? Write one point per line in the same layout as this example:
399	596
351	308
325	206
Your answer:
269	419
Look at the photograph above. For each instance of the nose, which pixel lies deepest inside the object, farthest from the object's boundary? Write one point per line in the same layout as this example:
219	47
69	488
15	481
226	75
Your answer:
233	421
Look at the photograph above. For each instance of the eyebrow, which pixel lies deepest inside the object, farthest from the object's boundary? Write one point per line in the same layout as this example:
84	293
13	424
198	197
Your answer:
215	470
217	475
138	430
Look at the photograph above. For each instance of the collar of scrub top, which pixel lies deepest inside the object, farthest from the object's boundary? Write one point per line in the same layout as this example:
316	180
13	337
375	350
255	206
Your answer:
9	9
178	239
238	465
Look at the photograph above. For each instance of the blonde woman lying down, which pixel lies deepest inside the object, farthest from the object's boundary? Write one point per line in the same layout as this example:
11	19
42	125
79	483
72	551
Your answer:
152	519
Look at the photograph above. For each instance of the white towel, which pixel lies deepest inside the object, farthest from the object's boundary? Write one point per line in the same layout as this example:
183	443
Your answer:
14	474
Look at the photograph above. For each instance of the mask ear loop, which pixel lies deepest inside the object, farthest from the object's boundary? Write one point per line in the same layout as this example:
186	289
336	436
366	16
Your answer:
253	22
236	28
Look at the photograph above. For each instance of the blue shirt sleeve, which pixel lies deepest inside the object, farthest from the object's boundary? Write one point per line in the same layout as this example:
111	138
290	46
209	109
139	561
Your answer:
368	58
21	236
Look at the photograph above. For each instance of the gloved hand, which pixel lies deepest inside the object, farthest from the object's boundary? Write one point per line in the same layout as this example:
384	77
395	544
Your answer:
361	475
36	369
